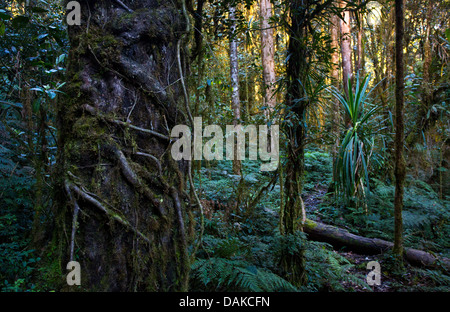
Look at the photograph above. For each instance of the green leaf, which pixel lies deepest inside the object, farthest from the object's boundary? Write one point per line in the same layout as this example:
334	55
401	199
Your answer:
41	36
51	94
60	58
39	89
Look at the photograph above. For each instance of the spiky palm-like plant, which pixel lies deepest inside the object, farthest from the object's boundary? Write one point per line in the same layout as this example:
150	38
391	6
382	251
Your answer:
352	162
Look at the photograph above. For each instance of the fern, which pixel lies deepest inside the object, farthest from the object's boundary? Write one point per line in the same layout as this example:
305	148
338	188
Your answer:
326	269
417	221
236	275
437	277
228	248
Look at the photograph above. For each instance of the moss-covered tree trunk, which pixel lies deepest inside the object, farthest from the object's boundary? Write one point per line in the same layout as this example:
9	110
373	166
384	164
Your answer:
292	259
121	206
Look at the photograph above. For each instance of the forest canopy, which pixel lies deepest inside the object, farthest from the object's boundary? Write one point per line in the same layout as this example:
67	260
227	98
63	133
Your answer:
225	145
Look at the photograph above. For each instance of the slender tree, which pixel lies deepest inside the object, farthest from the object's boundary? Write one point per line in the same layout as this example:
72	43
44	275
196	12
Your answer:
334	31
346	50
400	167
301	51
359	44
291	216
427	93
234	74
267	55
121	208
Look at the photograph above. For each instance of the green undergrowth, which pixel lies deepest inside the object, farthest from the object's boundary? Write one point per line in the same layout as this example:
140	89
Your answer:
240	250
17	259
425	216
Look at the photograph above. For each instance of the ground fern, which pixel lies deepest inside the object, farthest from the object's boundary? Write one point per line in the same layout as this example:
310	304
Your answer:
220	274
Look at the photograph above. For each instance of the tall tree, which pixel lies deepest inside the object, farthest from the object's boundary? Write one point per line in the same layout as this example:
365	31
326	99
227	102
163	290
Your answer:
121	208
427	92
334	31
303	50
359	43
400	166
267	55
234	74
292	212
346	50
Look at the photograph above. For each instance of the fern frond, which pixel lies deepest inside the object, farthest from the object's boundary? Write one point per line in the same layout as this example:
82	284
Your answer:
236	275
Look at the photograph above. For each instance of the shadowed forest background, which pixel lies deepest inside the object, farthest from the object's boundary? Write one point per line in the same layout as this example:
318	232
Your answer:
359	89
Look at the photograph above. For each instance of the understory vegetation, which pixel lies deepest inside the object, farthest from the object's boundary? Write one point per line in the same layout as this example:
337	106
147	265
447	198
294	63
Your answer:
240	249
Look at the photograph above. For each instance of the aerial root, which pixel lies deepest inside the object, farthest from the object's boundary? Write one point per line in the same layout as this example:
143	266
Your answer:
72	187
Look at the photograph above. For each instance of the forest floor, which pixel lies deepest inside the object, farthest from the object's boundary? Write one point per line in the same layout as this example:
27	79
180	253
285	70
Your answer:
389	282
235	239
312	201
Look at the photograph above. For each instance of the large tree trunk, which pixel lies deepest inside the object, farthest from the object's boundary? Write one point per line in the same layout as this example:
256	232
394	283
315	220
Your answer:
400	166
267	55
341	238
121	203
234	74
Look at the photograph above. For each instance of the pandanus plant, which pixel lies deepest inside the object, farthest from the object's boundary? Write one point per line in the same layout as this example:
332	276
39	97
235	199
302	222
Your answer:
352	161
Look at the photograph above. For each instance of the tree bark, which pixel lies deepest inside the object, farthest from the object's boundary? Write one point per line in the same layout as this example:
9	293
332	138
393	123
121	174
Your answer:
426	82
335	109
346	50
400	166
198	32
234	74
341	238
292	211
359	45
267	56
113	165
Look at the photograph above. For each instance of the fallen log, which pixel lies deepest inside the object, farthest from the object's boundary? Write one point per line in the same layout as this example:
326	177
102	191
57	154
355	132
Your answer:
340	238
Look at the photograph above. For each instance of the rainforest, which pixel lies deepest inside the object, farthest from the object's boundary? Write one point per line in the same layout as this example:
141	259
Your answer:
335	176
